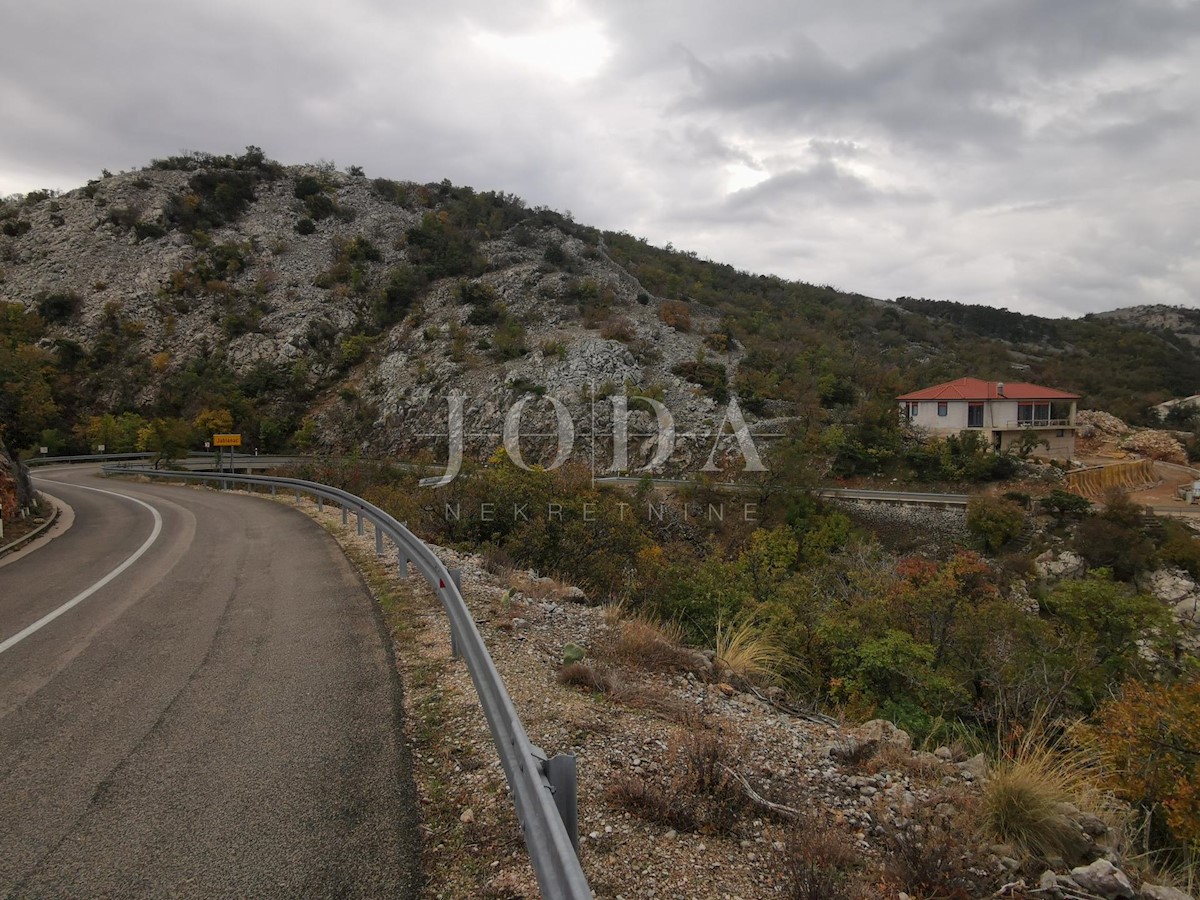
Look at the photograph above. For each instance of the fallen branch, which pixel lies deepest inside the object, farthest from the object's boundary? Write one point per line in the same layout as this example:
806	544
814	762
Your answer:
761	800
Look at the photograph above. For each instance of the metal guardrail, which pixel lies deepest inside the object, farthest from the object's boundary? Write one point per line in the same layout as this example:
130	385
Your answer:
85	458
543	789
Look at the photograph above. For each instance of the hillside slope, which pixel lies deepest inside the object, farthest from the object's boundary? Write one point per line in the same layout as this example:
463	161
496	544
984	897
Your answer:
339	311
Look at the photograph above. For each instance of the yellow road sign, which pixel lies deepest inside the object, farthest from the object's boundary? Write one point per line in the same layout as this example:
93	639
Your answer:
227	440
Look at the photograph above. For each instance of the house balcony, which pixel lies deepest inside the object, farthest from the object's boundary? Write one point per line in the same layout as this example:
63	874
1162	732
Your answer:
1038	423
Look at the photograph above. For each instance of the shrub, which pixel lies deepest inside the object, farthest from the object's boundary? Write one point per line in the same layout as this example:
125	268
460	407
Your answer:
442	249
817	862
149	231
1122	548
619	329
676	314
711	376
1064	504
1151	735
15	227
58	306
400	291
1180	548
305	226
928	858
307	186
995	521
703	794
554	254
389	190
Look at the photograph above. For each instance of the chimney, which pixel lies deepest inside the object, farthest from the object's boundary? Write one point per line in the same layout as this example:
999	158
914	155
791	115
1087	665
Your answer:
1000	388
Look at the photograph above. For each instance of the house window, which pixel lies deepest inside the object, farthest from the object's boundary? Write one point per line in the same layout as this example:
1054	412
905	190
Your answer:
1060	433
943	407
974	415
1033	413
910	409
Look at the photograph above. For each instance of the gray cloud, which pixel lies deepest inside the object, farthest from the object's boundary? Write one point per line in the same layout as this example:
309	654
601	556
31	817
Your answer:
1031	154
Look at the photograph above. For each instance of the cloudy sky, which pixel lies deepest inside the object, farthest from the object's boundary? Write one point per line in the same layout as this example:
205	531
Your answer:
1037	155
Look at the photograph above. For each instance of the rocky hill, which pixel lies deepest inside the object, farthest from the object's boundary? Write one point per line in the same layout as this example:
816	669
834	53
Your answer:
329	309
1179	321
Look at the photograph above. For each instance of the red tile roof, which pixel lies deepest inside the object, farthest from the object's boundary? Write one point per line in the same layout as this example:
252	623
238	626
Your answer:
978	389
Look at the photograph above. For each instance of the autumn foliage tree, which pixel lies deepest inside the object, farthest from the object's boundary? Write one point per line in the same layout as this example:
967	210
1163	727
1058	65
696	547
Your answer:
1151	734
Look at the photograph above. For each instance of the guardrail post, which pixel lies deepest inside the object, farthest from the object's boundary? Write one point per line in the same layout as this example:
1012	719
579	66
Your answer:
320	503
560	772
456	578
297	496
378	540
272	490
345	514
403	561
360	522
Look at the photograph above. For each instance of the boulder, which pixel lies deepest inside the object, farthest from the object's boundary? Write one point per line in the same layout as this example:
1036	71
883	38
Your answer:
881	731
1067	564
976	767
1169	585
1103	878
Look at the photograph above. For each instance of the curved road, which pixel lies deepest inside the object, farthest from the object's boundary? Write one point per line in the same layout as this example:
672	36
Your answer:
221	718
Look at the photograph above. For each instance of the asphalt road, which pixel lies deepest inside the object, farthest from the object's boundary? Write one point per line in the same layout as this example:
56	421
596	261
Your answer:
221	719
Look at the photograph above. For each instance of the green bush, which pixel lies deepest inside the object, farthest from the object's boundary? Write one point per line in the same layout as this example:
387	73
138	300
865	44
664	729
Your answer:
1064	504
995	521
59	306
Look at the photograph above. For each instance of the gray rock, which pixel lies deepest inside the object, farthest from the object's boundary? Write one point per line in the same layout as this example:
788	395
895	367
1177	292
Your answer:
976	767
1067	564
1103	878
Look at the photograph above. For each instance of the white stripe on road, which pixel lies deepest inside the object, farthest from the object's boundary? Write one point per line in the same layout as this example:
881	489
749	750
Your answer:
80	597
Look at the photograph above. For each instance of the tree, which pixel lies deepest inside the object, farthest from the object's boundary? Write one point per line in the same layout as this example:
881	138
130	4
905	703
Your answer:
1029	441
1112	625
214	421
1151	737
996	521
167	438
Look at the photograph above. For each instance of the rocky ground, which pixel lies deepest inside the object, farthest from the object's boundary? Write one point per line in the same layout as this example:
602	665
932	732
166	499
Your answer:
1103	437
690	783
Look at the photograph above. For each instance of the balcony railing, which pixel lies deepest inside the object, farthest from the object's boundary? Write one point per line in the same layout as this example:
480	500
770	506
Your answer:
1040	423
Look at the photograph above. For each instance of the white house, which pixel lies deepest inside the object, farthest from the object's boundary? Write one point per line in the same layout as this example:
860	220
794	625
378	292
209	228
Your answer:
1001	411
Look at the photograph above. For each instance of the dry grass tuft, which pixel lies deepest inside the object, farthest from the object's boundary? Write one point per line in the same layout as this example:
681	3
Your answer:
1030	792
585	675
537	588
642	643
640	696
745	653
890	758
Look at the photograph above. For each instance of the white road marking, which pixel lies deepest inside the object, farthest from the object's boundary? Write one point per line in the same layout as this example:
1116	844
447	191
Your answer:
83	595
